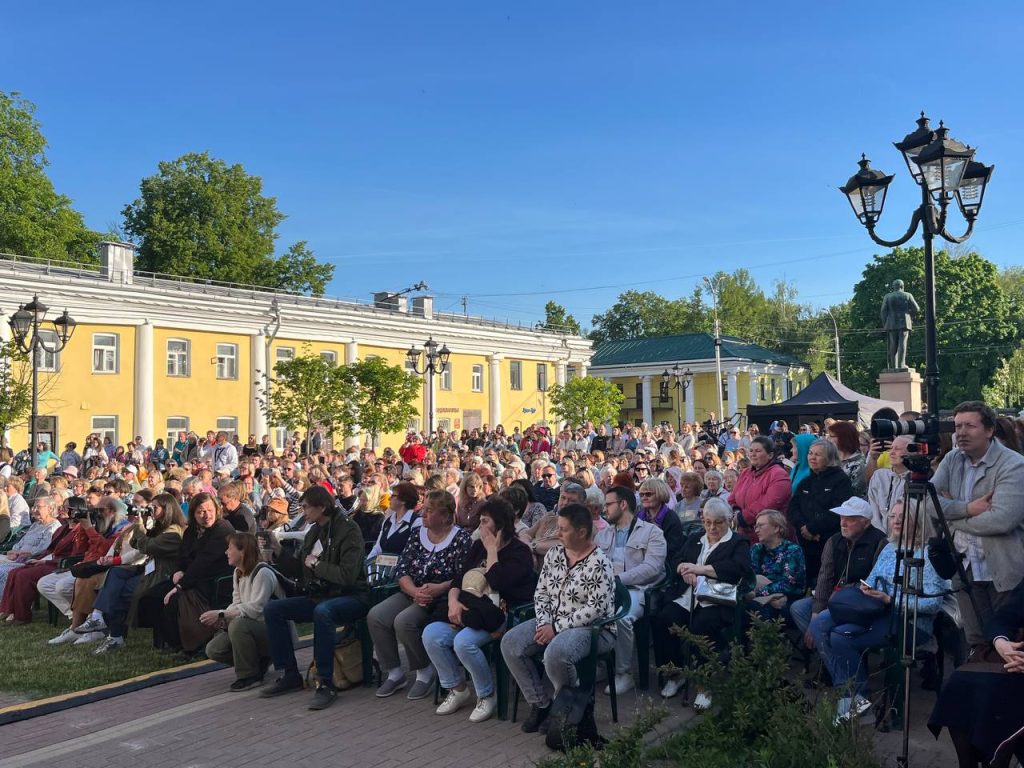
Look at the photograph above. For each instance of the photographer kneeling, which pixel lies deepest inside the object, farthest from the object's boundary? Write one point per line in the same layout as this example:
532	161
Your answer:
332	571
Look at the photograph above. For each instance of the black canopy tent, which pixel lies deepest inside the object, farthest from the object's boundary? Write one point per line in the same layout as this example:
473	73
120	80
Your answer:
824	397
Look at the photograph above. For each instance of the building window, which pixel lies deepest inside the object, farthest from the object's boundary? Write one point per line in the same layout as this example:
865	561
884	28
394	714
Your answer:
639	392
227	361
445	424
542	377
515	374
570	372
330	357
175	424
446	378
177	357
280	437
763	388
228	424
775	389
105	426
410	367
478	378
104	353
284	353
46	360
412	425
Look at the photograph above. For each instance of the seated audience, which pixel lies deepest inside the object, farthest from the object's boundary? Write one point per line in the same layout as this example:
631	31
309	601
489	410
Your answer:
497	569
399	523
810	510
779	573
655	507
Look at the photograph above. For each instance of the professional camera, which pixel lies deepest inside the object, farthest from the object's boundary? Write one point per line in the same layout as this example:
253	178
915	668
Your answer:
140	510
925	432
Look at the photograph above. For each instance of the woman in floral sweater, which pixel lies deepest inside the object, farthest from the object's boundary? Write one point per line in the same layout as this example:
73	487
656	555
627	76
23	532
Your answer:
778	565
576	588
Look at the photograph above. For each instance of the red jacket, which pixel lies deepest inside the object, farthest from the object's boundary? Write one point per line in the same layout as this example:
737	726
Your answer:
759	489
414	453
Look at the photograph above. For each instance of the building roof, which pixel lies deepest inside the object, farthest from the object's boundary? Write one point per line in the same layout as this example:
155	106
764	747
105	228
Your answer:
688	346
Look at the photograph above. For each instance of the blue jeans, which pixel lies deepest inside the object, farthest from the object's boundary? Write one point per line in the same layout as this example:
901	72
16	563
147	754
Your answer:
842	647
447	645
800	612
115	598
326	616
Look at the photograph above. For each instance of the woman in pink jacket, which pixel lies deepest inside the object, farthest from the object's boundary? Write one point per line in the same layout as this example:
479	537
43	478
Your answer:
765	484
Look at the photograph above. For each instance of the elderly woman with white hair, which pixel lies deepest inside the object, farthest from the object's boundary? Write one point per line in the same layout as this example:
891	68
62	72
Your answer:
810	509
719	556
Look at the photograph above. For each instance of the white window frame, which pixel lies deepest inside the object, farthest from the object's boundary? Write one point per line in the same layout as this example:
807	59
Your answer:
281	435
515	375
227	360
47	361
542	377
179	362
283	353
111	364
478	378
330	356
172	432
232	430
103	431
446	378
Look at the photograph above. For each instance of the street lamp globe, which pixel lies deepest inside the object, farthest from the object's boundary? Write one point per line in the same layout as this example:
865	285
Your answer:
21	322
444	353
37	308
866	191
913	143
65	327
943	163
971	191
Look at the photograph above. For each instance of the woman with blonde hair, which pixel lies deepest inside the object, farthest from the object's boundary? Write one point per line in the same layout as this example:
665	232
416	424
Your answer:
656	506
472	496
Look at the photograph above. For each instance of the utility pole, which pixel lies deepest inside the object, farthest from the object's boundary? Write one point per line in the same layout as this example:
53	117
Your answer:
465	306
712	286
835	327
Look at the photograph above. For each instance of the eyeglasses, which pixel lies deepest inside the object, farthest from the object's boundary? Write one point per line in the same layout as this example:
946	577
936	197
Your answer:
548	474
646	494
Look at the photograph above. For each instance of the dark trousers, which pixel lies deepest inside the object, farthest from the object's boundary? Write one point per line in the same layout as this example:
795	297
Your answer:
20	590
326	616
708	621
115	598
151	613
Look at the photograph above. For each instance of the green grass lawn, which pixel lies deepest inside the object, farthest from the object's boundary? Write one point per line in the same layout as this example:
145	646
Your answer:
33	669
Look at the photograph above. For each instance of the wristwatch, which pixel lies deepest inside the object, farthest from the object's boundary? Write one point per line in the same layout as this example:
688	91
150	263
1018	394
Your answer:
220	615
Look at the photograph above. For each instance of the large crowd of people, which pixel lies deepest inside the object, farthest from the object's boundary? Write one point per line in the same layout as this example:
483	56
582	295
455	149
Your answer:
217	547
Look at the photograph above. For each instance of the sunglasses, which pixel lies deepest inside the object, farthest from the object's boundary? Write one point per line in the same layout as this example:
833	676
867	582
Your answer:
646	494
548	474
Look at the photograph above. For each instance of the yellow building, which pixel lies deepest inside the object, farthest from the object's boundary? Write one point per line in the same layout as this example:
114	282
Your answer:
153	355
751	375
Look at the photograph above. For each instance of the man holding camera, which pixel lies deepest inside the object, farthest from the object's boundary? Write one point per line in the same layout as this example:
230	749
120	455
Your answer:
981	487
332	573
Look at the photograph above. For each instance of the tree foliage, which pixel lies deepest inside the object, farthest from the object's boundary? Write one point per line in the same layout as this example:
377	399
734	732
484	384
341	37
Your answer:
383	396
557	319
976	326
199	216
1006	387
15	386
35	220
308	391
586	398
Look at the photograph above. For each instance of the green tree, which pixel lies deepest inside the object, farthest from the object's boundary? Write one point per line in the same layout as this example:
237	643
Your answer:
382	397
35	220
556	319
200	217
975	325
585	399
308	391
1006	388
15	386
641	314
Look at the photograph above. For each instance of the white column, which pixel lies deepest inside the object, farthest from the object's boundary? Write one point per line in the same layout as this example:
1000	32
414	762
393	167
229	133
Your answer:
351	356
560	373
494	389
582	368
5	336
257	382
753	387
648	406
143	423
734	401
691	397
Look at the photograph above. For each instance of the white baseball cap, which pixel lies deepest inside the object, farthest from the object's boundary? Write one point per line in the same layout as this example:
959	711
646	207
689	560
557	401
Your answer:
854	507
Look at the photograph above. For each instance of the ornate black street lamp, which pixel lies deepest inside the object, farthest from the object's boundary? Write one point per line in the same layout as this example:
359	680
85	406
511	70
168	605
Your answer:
26	325
945	170
680	381
435	361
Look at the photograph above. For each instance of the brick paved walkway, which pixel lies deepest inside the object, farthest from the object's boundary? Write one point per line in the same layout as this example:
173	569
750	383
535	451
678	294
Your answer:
198	723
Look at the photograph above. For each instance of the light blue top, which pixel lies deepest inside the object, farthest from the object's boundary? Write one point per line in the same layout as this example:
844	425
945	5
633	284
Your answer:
881	579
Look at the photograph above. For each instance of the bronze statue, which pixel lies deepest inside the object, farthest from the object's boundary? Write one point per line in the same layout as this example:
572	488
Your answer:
898	312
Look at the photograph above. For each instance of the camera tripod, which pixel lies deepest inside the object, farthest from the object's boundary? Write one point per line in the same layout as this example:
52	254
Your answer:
908	578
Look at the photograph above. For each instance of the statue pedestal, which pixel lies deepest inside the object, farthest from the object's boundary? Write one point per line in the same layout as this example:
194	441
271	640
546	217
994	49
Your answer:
901	386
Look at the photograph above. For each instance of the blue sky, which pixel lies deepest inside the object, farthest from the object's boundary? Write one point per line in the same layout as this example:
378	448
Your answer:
516	152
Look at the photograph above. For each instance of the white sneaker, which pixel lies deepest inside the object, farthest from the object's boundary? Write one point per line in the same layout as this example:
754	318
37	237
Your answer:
91	625
623	683
110	644
64	637
454	700
671	688
701	702
89	637
484	709
851	708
